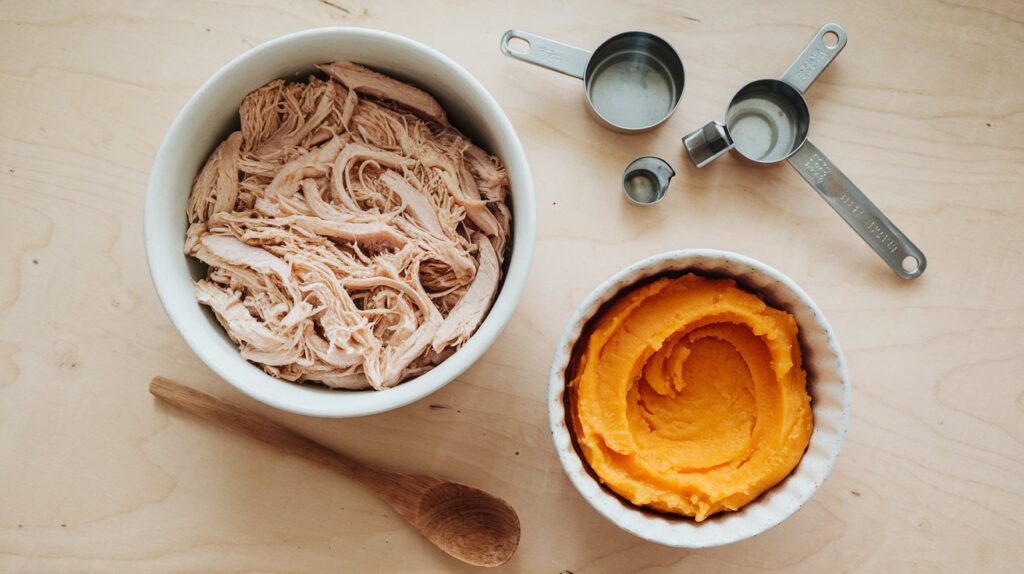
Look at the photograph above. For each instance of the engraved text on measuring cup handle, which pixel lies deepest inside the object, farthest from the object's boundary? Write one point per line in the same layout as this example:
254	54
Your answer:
815	58
859	212
547	53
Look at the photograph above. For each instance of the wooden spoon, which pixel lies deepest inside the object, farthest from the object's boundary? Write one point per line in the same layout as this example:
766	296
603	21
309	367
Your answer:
467	523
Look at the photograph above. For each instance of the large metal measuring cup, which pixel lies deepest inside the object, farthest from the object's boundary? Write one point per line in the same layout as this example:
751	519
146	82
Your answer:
767	121
633	81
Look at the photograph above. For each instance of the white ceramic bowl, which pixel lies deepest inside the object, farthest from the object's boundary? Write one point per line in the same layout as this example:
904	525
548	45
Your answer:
213	112
826	382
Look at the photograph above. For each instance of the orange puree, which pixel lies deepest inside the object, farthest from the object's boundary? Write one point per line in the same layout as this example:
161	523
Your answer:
690	397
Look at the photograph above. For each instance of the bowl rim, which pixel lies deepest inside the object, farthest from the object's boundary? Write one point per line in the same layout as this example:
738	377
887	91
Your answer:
613	507
329	402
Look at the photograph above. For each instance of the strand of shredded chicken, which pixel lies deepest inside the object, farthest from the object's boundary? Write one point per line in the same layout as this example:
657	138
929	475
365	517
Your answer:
352	236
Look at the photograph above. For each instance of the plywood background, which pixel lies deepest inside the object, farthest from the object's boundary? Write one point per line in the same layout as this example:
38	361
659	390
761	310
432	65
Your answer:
924	110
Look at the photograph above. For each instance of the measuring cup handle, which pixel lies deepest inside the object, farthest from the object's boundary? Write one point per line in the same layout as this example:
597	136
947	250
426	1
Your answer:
815	58
863	216
707	143
547	53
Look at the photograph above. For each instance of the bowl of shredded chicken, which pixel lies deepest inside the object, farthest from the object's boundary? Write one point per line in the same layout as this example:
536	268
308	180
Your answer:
344	230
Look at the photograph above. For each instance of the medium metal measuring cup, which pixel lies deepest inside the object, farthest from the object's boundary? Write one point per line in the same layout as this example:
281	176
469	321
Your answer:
768	120
633	81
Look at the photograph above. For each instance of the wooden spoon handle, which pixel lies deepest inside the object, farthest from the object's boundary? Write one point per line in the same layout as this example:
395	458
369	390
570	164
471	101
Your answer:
233	418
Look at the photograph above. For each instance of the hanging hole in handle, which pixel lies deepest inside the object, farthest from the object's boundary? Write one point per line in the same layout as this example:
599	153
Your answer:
830	39
518	45
910	264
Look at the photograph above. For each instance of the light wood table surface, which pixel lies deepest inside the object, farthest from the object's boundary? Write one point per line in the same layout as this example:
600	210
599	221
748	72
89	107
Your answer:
924	110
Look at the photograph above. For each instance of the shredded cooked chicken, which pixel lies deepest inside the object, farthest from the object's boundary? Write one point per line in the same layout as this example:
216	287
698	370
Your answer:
353	237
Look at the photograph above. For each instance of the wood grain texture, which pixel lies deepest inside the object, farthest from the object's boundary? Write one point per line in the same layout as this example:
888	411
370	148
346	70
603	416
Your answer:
924	109
466	523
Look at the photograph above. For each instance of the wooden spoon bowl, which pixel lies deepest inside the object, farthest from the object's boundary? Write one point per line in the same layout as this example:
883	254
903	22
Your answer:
469	524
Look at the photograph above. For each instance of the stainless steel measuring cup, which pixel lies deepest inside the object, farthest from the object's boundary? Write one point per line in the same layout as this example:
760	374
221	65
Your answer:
646	179
767	121
633	81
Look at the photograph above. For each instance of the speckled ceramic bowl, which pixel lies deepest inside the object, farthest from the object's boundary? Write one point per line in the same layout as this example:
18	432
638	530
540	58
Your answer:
827	383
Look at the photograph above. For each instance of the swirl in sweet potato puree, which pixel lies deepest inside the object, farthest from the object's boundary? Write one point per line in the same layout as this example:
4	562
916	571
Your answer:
689	396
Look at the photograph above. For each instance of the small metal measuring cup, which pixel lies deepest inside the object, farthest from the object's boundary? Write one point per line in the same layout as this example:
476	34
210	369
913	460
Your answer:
768	120
646	179
633	81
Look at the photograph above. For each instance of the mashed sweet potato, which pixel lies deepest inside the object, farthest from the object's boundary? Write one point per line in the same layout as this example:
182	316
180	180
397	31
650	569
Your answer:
689	397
